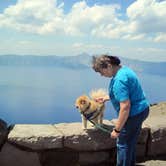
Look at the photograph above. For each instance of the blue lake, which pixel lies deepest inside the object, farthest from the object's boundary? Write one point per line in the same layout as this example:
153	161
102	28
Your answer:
47	94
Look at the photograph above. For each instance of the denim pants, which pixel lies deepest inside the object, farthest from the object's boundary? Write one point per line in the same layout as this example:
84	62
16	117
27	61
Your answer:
127	140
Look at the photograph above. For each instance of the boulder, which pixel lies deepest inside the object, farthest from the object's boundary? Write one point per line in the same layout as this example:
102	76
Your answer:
3	132
86	140
141	147
157	124
36	137
10	155
62	157
87	158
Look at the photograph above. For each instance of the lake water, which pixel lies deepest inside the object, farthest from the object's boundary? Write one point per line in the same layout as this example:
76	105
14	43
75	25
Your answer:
47	94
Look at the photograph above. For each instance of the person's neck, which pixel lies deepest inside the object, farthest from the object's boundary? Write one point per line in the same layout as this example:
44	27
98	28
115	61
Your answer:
116	68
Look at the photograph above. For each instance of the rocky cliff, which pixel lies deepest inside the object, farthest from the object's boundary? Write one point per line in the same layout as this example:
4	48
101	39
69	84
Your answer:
66	144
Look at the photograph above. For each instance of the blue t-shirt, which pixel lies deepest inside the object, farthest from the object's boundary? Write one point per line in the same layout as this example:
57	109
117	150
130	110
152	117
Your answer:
125	86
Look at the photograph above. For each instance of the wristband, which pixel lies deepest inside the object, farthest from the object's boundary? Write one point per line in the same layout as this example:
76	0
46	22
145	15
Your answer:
117	131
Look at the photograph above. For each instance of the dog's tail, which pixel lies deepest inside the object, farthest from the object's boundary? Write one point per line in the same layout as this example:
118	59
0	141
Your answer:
99	93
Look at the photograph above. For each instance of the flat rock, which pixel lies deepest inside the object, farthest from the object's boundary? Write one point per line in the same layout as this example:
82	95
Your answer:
36	137
59	158
157	124
157	116
86	158
86	140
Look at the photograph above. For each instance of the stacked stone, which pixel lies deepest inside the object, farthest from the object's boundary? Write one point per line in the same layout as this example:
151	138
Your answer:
156	123
67	144
60	144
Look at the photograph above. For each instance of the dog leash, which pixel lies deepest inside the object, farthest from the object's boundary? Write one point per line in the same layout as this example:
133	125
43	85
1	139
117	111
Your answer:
98	126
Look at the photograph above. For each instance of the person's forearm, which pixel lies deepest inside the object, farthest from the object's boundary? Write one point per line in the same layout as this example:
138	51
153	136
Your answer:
123	115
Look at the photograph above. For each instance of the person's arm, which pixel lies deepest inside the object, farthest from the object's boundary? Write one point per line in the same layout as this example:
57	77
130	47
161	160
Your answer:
122	118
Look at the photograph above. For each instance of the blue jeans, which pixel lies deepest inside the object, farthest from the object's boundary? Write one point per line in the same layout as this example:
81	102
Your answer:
127	140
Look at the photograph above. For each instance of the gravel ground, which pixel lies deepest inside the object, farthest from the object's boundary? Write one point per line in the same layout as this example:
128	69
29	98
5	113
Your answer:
159	161
153	163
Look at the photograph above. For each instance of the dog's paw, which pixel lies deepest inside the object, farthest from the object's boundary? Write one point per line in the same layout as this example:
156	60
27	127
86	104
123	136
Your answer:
85	129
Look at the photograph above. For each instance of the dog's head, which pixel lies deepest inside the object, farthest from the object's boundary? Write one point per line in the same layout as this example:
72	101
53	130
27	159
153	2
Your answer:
82	103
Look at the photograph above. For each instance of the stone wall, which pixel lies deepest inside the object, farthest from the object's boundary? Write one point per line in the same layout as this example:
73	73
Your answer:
66	144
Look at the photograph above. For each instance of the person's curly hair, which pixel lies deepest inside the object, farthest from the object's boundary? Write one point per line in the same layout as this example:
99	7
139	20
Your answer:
100	62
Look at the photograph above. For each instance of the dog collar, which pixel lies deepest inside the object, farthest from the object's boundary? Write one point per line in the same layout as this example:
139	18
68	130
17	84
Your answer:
87	108
88	116
91	115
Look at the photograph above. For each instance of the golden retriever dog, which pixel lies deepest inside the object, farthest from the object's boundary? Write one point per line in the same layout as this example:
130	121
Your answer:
90	108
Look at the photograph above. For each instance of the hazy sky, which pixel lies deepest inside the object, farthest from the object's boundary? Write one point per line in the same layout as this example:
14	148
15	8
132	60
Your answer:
128	28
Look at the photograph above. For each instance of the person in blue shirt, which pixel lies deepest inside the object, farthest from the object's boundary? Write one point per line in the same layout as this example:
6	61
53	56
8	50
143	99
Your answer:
128	99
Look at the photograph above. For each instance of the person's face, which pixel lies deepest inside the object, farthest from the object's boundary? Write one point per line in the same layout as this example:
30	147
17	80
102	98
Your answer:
107	72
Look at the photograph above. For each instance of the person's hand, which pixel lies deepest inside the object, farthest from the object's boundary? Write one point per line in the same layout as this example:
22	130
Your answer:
114	134
102	99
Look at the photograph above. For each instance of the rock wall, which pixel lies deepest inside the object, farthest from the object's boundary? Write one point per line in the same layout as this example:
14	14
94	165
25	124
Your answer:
66	144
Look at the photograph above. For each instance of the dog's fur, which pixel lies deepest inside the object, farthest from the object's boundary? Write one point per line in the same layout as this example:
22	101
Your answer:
87	105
